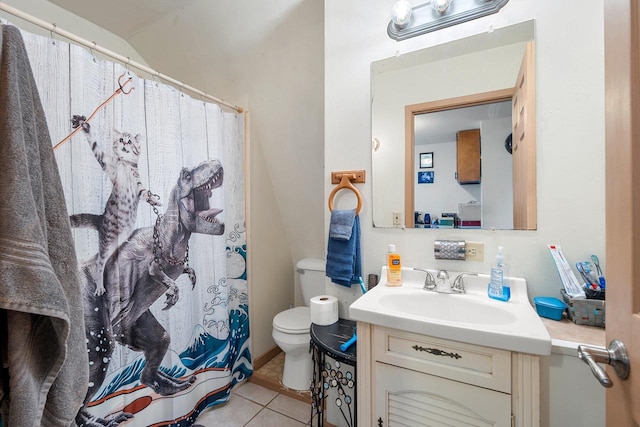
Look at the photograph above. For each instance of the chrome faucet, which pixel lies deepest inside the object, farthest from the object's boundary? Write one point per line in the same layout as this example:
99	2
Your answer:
442	284
458	284
429	281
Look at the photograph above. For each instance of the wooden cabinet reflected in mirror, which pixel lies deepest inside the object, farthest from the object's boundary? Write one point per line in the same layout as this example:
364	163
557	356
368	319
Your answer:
468	157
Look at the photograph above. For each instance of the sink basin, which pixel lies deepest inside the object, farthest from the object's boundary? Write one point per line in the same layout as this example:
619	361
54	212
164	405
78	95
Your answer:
472	317
433	305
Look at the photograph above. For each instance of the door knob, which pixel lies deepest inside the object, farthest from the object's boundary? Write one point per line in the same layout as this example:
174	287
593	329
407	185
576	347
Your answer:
615	355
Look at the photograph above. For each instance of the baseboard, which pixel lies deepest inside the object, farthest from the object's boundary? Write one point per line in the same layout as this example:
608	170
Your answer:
271	384
264	358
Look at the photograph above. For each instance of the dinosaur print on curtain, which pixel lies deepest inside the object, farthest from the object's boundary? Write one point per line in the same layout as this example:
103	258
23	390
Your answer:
154	183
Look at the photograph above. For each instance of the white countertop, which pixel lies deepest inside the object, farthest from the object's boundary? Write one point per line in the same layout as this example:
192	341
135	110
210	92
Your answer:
566	336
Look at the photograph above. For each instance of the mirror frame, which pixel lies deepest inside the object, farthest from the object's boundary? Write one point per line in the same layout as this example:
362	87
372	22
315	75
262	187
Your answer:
410	111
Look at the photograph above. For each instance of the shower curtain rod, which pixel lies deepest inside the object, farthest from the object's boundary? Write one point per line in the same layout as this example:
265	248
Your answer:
53	28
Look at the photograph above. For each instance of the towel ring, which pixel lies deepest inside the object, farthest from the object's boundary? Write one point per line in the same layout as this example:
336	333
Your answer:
345	182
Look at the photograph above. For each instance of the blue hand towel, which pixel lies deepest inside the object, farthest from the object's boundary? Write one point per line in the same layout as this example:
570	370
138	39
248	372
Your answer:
344	265
341	224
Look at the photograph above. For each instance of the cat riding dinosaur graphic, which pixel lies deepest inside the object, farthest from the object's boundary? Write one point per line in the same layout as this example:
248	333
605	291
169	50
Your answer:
136	274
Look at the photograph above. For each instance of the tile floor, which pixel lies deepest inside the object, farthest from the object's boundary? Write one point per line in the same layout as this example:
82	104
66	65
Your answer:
273	368
252	405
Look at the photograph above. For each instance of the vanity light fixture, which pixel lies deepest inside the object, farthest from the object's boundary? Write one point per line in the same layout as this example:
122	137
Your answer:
407	21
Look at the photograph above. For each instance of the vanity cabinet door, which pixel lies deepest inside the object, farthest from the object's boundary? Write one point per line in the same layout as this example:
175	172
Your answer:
472	364
468	156
404	397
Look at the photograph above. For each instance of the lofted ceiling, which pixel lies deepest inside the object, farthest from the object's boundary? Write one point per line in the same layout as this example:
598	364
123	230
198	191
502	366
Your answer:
442	126
240	22
123	17
208	44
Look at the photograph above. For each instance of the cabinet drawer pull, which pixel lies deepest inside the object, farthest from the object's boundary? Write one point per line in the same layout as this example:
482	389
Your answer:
437	352
379	421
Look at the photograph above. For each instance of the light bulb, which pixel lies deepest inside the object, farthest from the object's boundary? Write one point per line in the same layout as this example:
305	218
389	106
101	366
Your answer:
401	13
440	6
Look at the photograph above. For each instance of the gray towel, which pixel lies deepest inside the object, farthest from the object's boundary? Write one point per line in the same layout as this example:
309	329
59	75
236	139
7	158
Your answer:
341	224
40	297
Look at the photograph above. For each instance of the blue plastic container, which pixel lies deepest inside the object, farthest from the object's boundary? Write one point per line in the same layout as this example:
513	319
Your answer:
550	307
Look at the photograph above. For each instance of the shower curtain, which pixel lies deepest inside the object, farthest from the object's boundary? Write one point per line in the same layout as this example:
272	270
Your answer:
169	335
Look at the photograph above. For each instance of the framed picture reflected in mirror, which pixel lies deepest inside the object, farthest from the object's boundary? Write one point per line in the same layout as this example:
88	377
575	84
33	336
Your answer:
425	177
426	160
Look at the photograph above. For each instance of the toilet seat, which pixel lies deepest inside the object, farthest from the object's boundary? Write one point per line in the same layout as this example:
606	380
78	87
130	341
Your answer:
296	320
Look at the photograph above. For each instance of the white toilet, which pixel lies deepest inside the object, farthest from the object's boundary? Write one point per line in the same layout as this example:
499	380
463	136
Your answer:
291	327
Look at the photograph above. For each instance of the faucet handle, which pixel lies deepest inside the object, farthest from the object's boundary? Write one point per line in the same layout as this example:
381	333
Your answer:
458	283
429	281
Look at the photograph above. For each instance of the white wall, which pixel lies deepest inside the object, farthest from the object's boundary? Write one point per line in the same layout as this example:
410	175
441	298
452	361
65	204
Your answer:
445	193
497	175
570	131
569	393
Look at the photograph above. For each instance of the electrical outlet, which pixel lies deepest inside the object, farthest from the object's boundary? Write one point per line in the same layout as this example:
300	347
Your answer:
474	251
396	218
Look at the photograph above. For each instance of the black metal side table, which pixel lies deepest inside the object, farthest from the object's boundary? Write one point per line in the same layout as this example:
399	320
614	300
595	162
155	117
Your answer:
340	376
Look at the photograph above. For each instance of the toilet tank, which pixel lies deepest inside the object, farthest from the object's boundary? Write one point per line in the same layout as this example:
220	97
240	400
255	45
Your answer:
312	277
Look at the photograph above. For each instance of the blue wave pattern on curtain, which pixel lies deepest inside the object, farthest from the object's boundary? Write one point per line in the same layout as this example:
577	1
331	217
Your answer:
167	338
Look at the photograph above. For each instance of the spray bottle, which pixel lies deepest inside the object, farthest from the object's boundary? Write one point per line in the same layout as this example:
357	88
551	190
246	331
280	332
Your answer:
498	286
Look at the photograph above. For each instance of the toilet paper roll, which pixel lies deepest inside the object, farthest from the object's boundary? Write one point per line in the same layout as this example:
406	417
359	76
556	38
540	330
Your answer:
324	310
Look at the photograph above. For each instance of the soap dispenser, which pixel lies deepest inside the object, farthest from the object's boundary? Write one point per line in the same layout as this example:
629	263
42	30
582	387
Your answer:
498	286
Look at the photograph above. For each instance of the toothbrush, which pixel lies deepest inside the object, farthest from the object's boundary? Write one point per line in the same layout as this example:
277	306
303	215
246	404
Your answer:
348	344
584	275
364	289
596	262
351	340
586	265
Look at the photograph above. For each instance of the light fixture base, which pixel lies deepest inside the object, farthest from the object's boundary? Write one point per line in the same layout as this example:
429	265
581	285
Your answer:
425	19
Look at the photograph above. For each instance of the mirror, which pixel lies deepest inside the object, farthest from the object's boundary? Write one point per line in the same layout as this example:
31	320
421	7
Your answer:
425	104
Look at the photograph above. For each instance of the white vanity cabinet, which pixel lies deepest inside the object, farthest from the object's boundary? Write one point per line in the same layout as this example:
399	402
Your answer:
412	379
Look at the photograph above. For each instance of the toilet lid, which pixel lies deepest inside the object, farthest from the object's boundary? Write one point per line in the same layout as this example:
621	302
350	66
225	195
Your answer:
296	320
